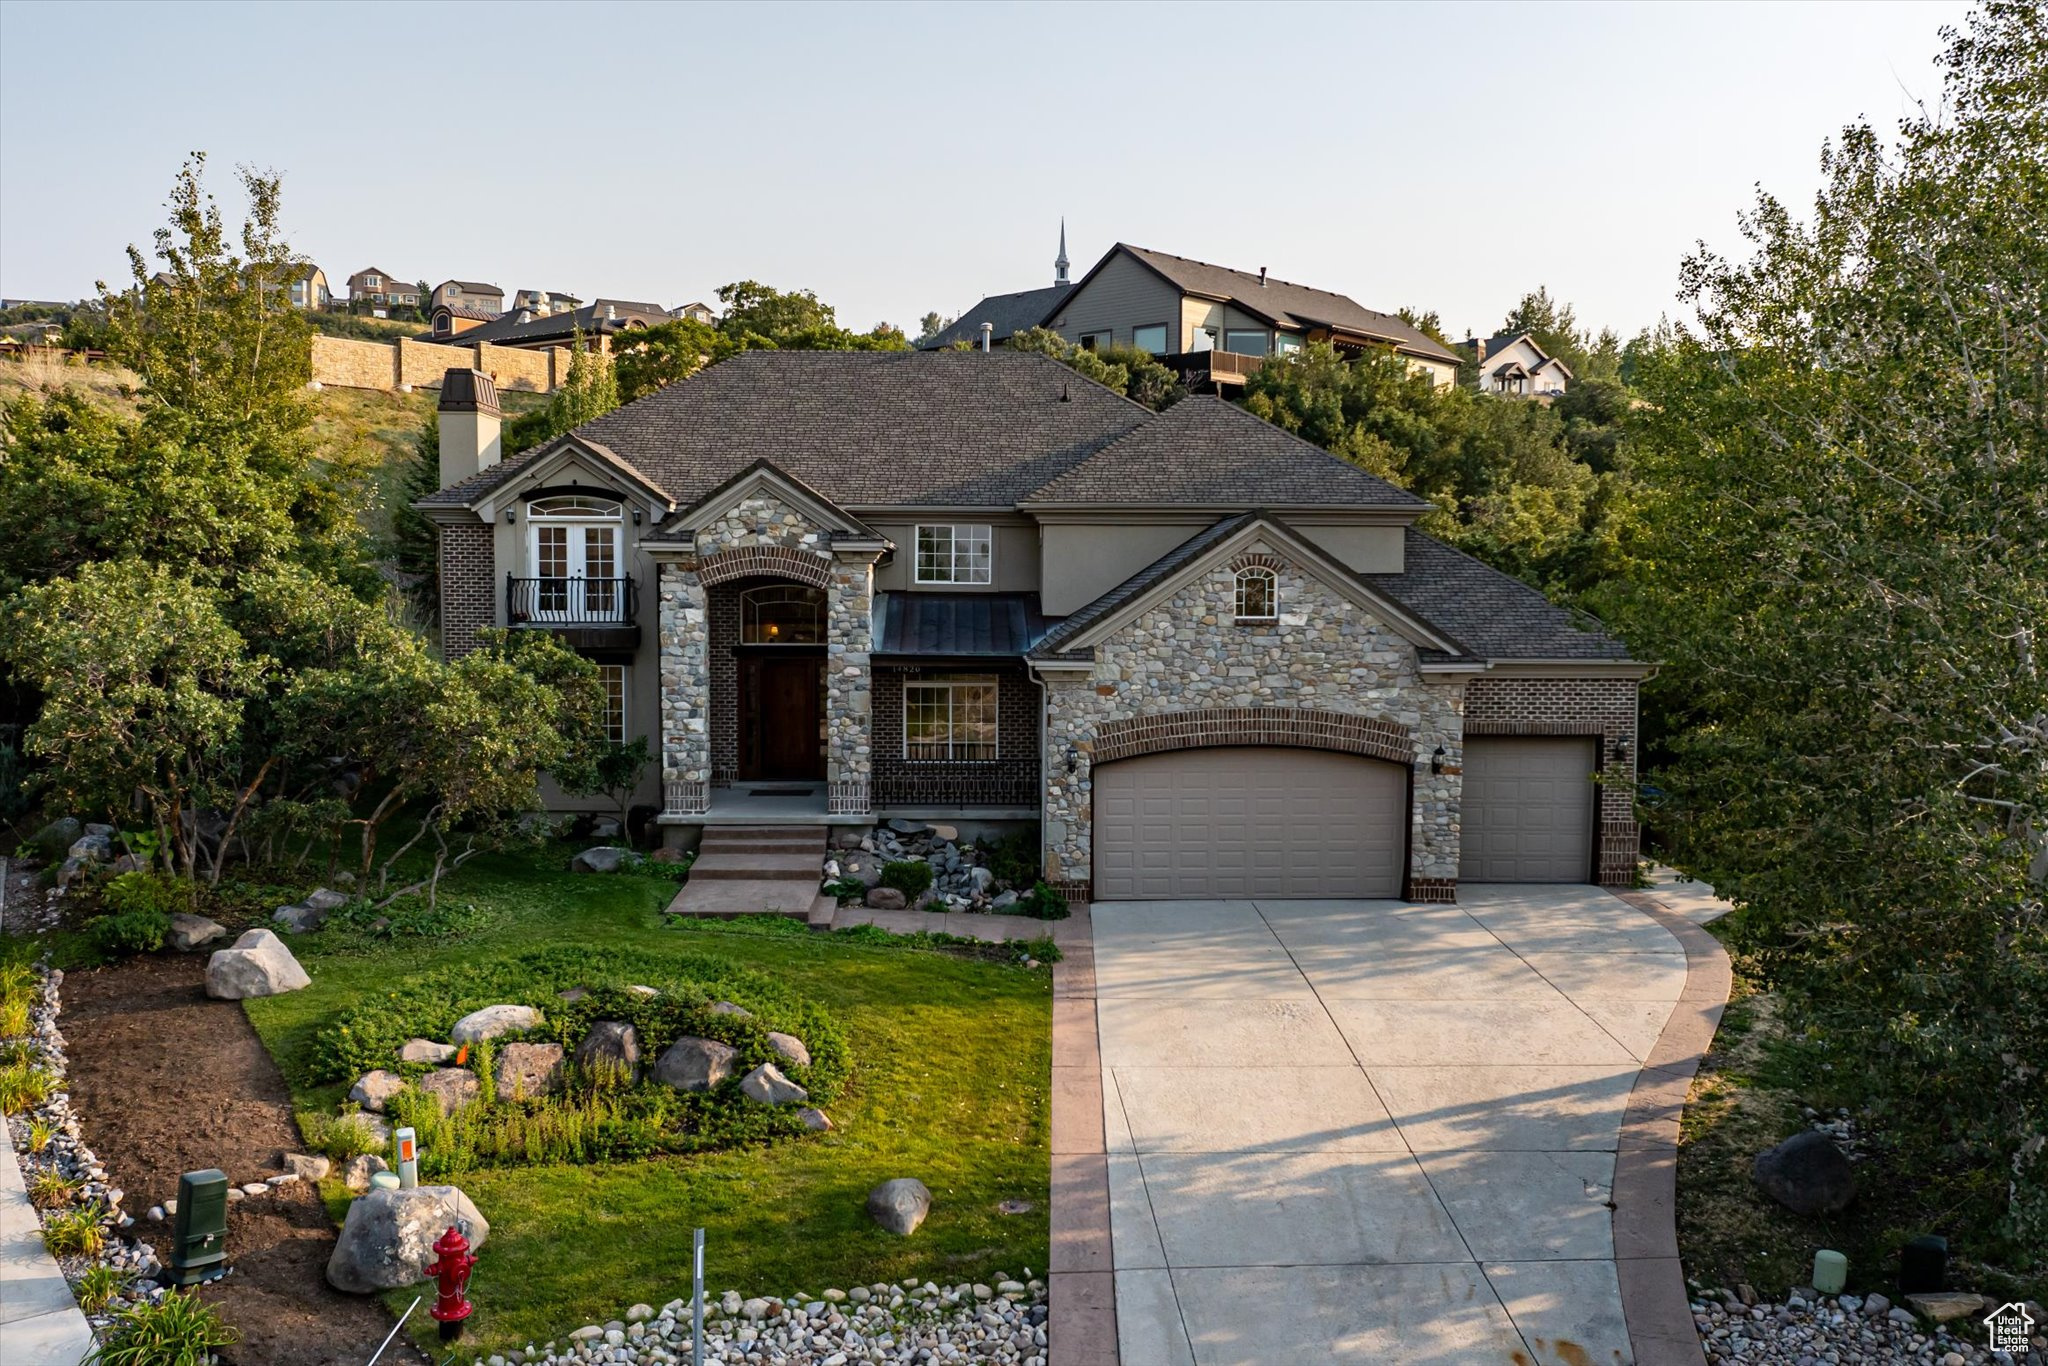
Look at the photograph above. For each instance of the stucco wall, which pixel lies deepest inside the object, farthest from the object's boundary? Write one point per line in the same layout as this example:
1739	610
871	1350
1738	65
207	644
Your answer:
1323	654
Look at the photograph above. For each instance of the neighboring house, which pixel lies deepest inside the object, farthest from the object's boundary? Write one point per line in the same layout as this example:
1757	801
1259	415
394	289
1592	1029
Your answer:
999	317
469	294
543	301
696	312
1512	363
308	288
1216	325
449	320
526	328
379	288
1205	657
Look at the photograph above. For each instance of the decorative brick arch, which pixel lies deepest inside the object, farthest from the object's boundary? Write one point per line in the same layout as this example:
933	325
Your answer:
1218	726
747	561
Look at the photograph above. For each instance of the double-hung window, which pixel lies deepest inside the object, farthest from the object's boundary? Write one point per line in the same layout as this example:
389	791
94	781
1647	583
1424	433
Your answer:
613	679
949	717
954	553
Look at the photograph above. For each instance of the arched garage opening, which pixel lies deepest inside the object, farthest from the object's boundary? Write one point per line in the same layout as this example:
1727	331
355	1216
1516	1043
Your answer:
1249	821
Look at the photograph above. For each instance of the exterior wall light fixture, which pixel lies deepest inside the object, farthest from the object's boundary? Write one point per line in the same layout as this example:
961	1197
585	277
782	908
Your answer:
1436	760
510	516
1073	760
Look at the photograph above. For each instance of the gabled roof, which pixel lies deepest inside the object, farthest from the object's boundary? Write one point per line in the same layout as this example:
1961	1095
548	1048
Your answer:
1006	314
378	271
765	475
1286	305
535	465
1207	452
590	319
1062	637
469	287
1501	341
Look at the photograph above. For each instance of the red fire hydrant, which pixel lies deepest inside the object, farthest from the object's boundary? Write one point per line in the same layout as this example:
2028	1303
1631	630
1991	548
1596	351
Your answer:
451	1266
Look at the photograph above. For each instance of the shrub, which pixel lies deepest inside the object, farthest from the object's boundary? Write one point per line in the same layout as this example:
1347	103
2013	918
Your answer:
18	982
118	936
15	1051
14	1021
1014	858
845	889
136	892
912	877
51	1189
98	1286
1043	903
24	1086
75	1232
40	1132
178	1330
339	1137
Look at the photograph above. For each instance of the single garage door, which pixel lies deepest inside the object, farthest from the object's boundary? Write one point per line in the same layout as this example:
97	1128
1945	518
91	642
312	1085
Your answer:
1527	810
1249	822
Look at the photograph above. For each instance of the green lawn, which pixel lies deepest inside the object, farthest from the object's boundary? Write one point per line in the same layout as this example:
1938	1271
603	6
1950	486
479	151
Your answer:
951	1064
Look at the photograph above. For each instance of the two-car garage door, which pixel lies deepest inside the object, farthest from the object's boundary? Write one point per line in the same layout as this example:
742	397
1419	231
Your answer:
1257	821
1249	822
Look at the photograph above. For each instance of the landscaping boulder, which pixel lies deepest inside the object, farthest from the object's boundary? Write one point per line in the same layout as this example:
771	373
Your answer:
528	1070
388	1238
1807	1174
1004	901
257	965
73	868
791	1048
189	932
668	855
693	1064
767	1085
606	828
96	844
374	1090
728	1008
492	1021
815	1120
899	1206
603	859
58	836
886	899
425	1050
307	1166
908	827
357	1171
375	1128
611	1044
451	1087
1944	1306
980	880
299	919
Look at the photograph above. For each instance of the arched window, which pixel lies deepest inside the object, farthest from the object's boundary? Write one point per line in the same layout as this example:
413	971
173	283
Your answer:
1258	594
581	507
782	614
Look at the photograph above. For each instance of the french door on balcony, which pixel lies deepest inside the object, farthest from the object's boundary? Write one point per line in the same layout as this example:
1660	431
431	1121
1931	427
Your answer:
576	568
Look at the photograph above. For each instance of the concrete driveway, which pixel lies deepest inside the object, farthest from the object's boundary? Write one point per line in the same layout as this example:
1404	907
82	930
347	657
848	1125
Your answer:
1370	1131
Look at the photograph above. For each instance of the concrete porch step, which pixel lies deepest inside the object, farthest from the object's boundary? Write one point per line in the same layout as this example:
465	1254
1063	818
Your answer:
731	844
725	899
757	867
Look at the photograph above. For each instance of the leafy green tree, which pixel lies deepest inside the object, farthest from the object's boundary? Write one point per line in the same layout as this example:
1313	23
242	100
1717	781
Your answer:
588	391
416	542
930	325
1553	324
1135	374
751	306
1845	483
651	358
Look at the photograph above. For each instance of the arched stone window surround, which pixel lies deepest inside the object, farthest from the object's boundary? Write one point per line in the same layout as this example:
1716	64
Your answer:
776	561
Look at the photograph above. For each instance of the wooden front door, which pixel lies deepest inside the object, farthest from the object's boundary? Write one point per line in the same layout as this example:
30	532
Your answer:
779	714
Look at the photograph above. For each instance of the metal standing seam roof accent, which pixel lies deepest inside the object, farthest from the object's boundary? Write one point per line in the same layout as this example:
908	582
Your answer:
957	624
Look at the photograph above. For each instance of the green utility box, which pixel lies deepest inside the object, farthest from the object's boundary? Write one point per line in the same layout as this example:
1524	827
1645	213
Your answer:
199	1231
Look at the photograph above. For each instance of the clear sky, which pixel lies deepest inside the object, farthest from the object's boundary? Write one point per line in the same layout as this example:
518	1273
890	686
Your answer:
900	158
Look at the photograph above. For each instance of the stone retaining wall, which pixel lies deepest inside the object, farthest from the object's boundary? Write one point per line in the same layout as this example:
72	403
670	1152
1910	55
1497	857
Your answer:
348	363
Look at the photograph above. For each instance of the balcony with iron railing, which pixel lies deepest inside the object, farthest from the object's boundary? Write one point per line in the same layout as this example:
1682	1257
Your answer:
597	612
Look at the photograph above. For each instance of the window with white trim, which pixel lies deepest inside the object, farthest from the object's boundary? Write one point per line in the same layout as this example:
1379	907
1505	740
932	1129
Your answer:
1258	594
1151	337
613	679
949	553
949	718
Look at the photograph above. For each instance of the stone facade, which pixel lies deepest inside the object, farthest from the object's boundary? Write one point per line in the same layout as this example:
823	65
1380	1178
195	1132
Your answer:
469	582
849	684
1323	656
685	627
1601	707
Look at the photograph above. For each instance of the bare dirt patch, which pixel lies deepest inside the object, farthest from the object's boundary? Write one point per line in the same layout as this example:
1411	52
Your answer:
167	1081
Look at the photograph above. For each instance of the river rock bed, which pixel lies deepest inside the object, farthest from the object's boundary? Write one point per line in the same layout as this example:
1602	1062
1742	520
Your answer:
881	1323
1828	1330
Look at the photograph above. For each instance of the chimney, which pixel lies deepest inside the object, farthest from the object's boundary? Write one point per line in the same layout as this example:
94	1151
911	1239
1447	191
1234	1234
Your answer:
610	311
469	425
1479	348
1262	277
988	332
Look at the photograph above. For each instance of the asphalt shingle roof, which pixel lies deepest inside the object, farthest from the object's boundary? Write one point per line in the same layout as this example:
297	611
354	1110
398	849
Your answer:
1204	450
1290	305
1007	315
1493	615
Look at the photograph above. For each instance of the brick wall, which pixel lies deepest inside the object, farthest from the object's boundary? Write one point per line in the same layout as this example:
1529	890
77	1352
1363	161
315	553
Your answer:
469	586
1010	780
722	603
1601	707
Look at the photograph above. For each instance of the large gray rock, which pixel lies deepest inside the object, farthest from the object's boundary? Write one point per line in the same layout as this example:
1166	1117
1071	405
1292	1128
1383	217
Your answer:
899	1206
1807	1174
611	1044
425	1050
189	932
95	844
374	1090
388	1239
257	965
321	899
307	1166
886	899
693	1064
492	1021
603	859
358	1170
981	879
728	1008
526	1071
791	1048
300	918
451	1087
58	836
767	1085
